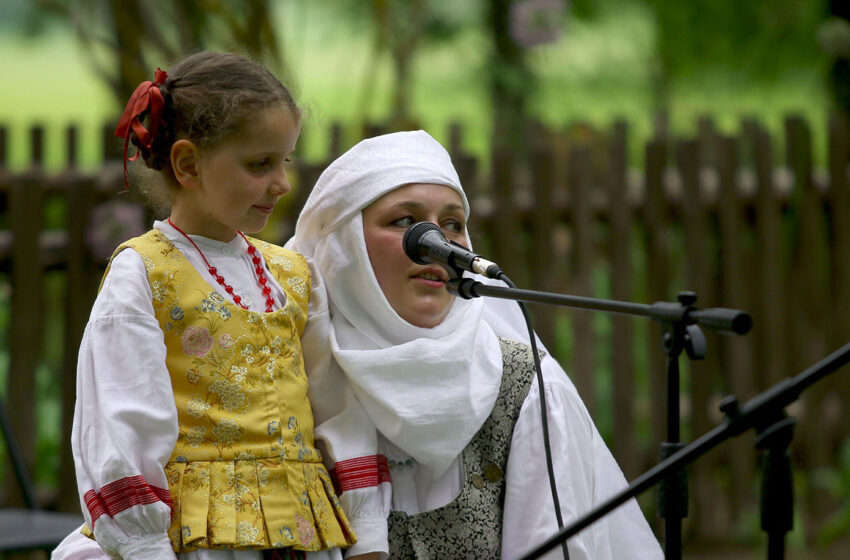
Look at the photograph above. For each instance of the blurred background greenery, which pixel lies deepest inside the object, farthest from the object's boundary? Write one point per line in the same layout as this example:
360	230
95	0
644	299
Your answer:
657	63
493	66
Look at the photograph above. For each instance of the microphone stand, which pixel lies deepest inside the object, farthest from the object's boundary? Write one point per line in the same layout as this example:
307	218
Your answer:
765	414
681	322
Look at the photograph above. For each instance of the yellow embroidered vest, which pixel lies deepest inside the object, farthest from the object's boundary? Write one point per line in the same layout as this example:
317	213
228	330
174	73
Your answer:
245	473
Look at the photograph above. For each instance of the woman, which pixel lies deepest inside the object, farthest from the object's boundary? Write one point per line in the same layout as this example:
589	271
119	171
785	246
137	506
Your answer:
426	404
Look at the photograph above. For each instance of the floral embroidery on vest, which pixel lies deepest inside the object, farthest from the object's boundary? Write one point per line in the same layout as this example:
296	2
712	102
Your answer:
471	526
245	473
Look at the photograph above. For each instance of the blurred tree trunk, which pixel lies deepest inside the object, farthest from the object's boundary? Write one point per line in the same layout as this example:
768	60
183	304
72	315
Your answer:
839	71
132	70
401	25
511	81
134	33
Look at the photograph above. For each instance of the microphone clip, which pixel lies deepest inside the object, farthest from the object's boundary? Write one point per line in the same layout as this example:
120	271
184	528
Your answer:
463	287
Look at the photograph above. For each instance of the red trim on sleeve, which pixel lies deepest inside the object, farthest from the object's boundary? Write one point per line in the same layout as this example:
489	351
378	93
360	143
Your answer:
122	494
360	472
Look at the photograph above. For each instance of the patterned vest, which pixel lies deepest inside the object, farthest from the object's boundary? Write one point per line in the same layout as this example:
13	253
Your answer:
244	473
471	526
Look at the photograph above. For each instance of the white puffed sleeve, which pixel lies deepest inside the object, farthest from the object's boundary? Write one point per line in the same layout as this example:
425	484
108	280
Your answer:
125	419
345	434
586	474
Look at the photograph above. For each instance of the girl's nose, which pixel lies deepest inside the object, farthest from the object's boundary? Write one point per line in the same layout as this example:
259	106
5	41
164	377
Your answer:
280	182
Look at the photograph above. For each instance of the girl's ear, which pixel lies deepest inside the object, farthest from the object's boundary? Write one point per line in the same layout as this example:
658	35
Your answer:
185	159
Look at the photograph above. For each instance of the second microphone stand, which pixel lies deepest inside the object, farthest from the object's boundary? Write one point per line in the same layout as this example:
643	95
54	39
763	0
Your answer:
681	322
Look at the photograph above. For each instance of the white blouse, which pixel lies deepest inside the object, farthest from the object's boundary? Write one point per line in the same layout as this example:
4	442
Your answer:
125	420
586	472
126	425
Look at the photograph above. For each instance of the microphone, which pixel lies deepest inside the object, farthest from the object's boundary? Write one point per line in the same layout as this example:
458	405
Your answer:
424	243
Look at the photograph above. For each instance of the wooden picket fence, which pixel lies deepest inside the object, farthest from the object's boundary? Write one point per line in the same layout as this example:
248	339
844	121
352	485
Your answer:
746	221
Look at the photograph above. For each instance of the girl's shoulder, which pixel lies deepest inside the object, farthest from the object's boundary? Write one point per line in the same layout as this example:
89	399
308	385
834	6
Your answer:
277	255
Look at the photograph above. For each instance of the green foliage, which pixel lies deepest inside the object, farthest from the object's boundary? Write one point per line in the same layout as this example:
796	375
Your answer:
836	481
759	37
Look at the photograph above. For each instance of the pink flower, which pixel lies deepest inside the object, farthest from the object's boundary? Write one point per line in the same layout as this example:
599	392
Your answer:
196	341
305	531
225	341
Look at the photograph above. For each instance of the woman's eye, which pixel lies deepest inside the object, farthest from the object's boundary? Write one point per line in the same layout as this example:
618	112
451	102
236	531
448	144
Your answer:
407	221
453	227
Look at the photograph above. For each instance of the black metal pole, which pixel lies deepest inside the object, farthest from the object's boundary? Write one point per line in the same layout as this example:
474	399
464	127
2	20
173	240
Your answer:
757	413
720	319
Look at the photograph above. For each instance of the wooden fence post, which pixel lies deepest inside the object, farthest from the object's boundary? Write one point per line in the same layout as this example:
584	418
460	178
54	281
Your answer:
699	268
655	217
839	208
544	263
735	277
25	319
80	199
584	245
620	249
808	304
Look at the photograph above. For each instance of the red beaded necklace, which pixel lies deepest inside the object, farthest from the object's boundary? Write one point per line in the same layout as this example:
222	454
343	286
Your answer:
258	269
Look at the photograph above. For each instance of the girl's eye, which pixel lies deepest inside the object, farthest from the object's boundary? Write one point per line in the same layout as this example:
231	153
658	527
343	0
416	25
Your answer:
258	166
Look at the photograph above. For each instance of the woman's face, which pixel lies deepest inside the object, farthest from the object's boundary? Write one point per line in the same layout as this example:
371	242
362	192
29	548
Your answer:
416	292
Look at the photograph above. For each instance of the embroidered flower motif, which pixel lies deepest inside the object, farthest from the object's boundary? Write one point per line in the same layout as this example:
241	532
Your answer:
232	397
225	341
195	437
216	298
196	341
305	531
282	262
287	534
197	408
273	427
227	432
207	306
265	350
176	313
157	290
187	532
193	376
148	262
298	285
225	312
270	369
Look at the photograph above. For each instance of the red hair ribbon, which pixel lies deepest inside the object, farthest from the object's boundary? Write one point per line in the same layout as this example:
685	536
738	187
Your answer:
146	98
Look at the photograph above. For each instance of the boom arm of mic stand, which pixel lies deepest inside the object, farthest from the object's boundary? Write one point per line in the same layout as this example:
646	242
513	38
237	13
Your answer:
753	414
722	320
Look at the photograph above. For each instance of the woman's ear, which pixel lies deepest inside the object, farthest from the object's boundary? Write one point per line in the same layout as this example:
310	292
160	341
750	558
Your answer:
185	160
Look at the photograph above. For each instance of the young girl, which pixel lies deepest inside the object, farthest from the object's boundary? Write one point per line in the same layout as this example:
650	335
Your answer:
193	435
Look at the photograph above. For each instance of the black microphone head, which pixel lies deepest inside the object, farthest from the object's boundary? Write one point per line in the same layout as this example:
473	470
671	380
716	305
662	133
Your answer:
411	238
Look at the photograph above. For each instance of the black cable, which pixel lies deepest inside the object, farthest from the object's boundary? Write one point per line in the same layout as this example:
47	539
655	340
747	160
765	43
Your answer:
544	419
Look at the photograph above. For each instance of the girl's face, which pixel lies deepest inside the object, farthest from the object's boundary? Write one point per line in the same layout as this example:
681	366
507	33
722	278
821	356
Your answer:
241	180
416	292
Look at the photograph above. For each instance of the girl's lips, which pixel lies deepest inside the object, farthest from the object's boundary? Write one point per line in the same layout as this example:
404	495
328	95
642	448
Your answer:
267	210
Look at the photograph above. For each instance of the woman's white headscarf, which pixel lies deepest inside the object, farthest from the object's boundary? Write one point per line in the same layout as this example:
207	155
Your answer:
428	390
